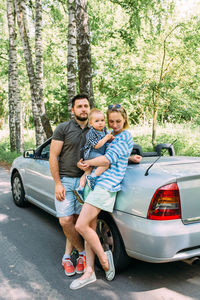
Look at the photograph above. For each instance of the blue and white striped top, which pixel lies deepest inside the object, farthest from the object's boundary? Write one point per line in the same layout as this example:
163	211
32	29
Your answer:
117	153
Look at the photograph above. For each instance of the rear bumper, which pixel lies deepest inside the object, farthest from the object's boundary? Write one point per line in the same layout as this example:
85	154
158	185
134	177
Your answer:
158	241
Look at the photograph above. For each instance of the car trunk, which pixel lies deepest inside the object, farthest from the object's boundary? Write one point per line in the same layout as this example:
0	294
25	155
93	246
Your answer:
190	198
138	189
188	180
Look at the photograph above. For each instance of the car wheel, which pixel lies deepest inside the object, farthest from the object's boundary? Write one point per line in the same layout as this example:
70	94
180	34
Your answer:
111	240
18	190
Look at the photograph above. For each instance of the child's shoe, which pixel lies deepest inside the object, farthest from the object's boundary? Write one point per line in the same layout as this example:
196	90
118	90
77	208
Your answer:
91	181
79	193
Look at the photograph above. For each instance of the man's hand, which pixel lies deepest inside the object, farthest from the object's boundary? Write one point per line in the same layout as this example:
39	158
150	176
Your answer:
82	165
136	159
60	192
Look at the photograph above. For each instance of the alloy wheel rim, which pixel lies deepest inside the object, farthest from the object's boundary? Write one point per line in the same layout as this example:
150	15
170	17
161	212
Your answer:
17	189
105	235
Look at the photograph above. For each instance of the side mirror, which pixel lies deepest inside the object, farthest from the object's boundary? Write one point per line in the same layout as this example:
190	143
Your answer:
29	153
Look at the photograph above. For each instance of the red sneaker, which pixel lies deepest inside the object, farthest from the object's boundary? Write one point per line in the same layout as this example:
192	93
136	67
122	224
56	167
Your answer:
69	267
80	264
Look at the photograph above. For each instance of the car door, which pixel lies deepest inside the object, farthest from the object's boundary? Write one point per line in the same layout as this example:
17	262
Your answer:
39	182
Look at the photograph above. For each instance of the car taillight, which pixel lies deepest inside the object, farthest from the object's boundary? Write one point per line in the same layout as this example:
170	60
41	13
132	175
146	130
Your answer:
165	204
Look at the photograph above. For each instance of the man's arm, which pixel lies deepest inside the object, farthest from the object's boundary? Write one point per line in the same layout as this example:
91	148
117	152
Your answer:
55	149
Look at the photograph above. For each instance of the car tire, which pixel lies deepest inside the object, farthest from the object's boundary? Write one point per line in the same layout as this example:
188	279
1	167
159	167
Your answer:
18	190
111	240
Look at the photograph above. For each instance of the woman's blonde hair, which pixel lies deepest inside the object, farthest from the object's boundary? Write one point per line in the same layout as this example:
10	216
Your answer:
121	110
94	110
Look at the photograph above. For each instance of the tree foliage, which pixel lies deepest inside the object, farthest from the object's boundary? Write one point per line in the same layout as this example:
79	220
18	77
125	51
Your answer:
128	38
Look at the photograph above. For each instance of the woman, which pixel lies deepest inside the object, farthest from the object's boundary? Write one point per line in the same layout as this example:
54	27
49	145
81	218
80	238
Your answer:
104	194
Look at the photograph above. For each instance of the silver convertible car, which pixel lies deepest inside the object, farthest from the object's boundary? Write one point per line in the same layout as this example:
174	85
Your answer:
157	213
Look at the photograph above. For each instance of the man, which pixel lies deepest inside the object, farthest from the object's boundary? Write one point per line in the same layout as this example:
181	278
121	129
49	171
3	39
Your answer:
67	141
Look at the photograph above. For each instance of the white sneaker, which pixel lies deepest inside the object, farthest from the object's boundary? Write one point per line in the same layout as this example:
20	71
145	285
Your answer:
79	283
110	274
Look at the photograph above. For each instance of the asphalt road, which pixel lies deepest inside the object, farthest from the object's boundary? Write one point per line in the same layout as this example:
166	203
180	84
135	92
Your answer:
31	247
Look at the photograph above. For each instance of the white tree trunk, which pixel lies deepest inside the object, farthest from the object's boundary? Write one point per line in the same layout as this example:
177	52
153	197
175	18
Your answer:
15	117
39	137
71	57
39	69
84	50
39	52
23	28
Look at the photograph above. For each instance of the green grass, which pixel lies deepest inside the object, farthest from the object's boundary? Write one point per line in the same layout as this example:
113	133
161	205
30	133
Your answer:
187	139
5	154
184	137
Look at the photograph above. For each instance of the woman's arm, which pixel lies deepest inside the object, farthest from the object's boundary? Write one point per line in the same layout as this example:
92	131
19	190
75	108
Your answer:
98	161
136	159
95	162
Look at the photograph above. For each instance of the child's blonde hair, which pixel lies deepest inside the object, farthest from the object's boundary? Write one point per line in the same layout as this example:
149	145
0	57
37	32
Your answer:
94	110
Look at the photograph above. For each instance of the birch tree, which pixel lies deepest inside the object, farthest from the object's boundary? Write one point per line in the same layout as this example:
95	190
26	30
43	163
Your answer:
84	50
71	56
23	29
39	69
15	115
40	118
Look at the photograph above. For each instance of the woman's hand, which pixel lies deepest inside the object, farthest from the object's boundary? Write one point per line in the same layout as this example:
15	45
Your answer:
81	164
136	159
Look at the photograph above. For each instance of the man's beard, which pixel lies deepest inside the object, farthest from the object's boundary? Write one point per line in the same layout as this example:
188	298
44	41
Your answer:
81	118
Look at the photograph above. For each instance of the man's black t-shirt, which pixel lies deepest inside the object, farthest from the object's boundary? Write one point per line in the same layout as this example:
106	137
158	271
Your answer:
73	137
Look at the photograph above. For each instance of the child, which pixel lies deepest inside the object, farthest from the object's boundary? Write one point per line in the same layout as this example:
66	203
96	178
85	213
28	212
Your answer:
96	140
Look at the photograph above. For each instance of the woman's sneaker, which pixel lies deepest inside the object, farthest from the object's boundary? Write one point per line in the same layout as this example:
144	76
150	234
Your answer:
91	181
110	274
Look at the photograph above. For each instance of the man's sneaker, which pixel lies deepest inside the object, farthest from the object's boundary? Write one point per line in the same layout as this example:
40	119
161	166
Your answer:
79	193
80	264
69	267
91	181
